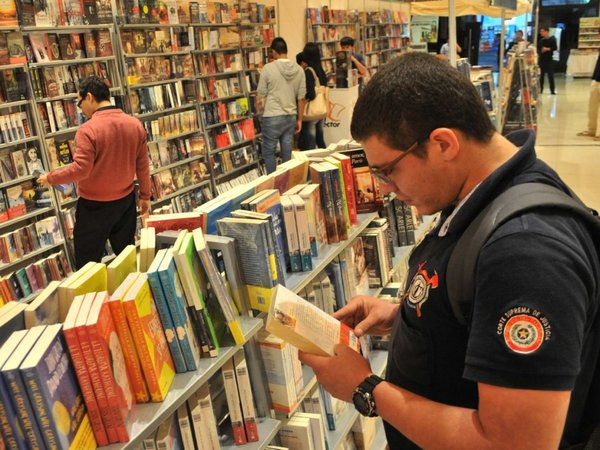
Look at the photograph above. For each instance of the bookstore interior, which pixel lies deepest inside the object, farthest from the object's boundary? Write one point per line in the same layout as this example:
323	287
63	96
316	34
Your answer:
234	270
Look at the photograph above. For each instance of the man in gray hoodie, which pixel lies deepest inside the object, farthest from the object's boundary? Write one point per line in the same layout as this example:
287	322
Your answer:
281	90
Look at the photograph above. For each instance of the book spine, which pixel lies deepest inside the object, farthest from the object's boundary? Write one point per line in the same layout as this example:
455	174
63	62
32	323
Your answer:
96	381
350	193
85	384
139	339
167	322
11	428
246	400
294	257
185	427
233	403
339	204
23	408
327	202
303	233
101	353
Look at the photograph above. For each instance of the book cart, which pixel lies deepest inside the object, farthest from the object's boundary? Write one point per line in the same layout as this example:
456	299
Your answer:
30	226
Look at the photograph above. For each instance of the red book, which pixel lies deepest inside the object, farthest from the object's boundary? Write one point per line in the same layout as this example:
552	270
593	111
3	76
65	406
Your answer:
349	185
81	372
93	370
178	221
111	364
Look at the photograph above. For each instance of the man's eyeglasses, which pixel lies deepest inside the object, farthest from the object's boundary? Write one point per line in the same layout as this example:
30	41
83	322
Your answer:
382	174
81	100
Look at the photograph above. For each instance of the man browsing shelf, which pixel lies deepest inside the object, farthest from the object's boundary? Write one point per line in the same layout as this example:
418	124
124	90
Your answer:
547	47
281	88
112	150
520	375
358	60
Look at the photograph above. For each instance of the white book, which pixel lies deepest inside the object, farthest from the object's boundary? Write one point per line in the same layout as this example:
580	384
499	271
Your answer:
296	434
245	392
327	293
316	428
203	420
233	403
185	427
303	233
293	259
51	119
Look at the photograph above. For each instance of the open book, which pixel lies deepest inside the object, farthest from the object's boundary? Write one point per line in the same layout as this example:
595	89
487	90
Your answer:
305	326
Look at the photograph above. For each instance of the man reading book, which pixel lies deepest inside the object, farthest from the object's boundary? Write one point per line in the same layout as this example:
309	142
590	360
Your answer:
112	150
522	372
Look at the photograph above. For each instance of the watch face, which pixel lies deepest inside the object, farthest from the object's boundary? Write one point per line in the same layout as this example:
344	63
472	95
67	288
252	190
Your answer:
361	403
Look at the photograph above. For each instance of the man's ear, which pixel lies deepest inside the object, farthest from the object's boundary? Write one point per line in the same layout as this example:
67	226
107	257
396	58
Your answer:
446	142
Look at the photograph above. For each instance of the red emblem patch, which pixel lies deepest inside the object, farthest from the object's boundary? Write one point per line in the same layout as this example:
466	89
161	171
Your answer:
524	333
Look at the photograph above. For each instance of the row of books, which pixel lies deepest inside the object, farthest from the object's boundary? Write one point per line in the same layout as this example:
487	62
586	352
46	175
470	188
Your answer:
211	63
171	125
378	253
63	12
332	32
216	38
217	88
161	97
18	243
214	113
14	127
256	59
165	152
403	220
45	47
169	181
33	277
240	180
58	115
148	69
185	202
328	15
225	161
62	80
231	133
148	41
20	199
261	36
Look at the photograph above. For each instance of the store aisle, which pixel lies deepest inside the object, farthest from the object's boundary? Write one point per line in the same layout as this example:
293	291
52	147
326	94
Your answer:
575	158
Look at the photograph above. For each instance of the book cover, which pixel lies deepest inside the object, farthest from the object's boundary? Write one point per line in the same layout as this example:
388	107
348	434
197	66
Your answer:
18	162
218	289
66	46
367	194
110	362
316	226
18	390
319	175
149	338
90	278
16	201
189	268
82	373
16	45
305	326
89	44
103	43
177	303
8	13
12	432
52	387
341	215
132	361
44	309
296	433
164	313
120	267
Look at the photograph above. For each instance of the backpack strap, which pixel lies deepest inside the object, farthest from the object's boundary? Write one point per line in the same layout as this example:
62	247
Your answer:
460	275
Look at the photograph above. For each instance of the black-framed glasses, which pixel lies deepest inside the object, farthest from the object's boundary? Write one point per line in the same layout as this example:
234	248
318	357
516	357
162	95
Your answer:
382	174
81	100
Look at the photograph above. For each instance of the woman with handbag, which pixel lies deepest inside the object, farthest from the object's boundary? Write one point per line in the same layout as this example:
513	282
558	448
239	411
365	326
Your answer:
311	134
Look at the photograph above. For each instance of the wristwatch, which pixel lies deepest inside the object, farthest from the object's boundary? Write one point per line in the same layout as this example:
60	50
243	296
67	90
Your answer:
362	397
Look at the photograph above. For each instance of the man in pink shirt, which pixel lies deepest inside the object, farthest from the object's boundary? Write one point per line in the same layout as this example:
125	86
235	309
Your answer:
112	150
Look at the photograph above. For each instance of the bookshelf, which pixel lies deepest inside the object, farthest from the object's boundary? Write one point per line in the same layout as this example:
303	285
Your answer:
589	33
29	221
519	98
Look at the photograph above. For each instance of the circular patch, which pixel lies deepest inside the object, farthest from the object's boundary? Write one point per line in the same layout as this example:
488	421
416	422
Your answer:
523	333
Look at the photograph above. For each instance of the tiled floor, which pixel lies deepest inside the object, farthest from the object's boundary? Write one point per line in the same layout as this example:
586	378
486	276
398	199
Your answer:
576	159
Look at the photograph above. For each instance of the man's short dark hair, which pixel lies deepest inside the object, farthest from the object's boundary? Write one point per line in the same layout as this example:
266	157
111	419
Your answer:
95	86
279	46
414	94
545	29
347	40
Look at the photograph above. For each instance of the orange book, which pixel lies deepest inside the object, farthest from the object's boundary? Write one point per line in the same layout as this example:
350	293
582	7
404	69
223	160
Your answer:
132	361
111	364
92	367
83	377
149	338
349	185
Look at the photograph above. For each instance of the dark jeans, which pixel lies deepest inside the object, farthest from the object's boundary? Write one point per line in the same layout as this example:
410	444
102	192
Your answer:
277	129
311	135
95	222
547	67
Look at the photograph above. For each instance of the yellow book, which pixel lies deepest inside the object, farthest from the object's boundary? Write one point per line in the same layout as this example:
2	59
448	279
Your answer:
65	298
120	267
92	280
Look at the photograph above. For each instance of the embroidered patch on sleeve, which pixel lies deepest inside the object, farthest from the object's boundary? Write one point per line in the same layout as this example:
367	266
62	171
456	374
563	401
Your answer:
524	329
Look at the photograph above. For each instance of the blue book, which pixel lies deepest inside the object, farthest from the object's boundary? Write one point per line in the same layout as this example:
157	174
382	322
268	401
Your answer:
14	439
18	390
338	200
52	387
164	313
173	290
335	275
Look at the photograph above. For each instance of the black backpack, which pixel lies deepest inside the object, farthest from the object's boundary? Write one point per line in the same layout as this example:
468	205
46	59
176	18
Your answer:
460	277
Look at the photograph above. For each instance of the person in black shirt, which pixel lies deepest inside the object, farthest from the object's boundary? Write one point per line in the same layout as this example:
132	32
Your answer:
593	103
523	373
547	47
311	134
